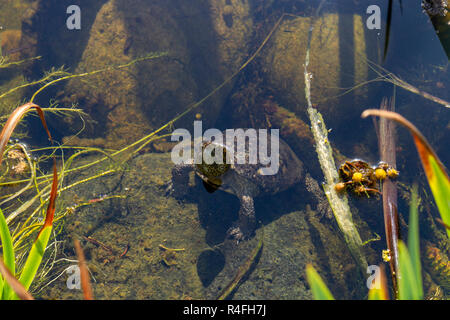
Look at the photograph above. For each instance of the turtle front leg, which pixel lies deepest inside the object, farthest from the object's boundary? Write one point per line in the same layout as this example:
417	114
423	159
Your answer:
179	185
246	224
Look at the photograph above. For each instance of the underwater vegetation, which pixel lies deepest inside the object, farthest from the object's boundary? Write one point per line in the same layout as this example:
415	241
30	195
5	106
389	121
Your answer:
15	244
9	287
438	265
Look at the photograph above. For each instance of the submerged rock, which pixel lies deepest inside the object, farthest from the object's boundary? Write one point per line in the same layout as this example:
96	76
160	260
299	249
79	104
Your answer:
10	43
206	43
13	48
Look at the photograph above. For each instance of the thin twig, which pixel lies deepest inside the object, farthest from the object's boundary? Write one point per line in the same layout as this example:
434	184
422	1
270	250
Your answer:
98	243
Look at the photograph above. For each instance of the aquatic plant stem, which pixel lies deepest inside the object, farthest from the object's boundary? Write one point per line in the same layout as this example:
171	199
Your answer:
384	75
4	63
69	76
388	155
395	80
338	202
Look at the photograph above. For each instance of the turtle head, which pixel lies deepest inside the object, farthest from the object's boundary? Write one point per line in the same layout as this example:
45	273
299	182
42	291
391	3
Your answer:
214	161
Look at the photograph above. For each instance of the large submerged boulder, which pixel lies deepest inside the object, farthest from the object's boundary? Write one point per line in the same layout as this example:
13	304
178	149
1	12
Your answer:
205	41
13	47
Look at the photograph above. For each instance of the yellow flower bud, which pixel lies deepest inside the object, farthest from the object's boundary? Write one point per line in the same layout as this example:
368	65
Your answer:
386	255
392	173
357	177
380	174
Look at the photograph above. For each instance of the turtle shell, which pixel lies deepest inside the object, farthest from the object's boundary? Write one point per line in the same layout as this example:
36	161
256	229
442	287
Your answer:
249	173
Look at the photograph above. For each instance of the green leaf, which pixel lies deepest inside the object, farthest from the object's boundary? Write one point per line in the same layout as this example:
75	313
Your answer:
35	257
409	287
8	254
440	186
37	250
413	240
318	287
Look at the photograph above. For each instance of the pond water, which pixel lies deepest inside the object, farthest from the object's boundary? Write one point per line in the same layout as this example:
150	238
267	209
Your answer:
120	80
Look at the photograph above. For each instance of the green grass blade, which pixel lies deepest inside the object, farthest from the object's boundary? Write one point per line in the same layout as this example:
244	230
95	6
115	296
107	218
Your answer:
7	246
8	254
413	240
408	285
319	289
38	248
35	257
440	186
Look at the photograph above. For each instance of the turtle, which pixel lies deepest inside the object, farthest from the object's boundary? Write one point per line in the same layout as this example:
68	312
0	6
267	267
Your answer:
243	179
